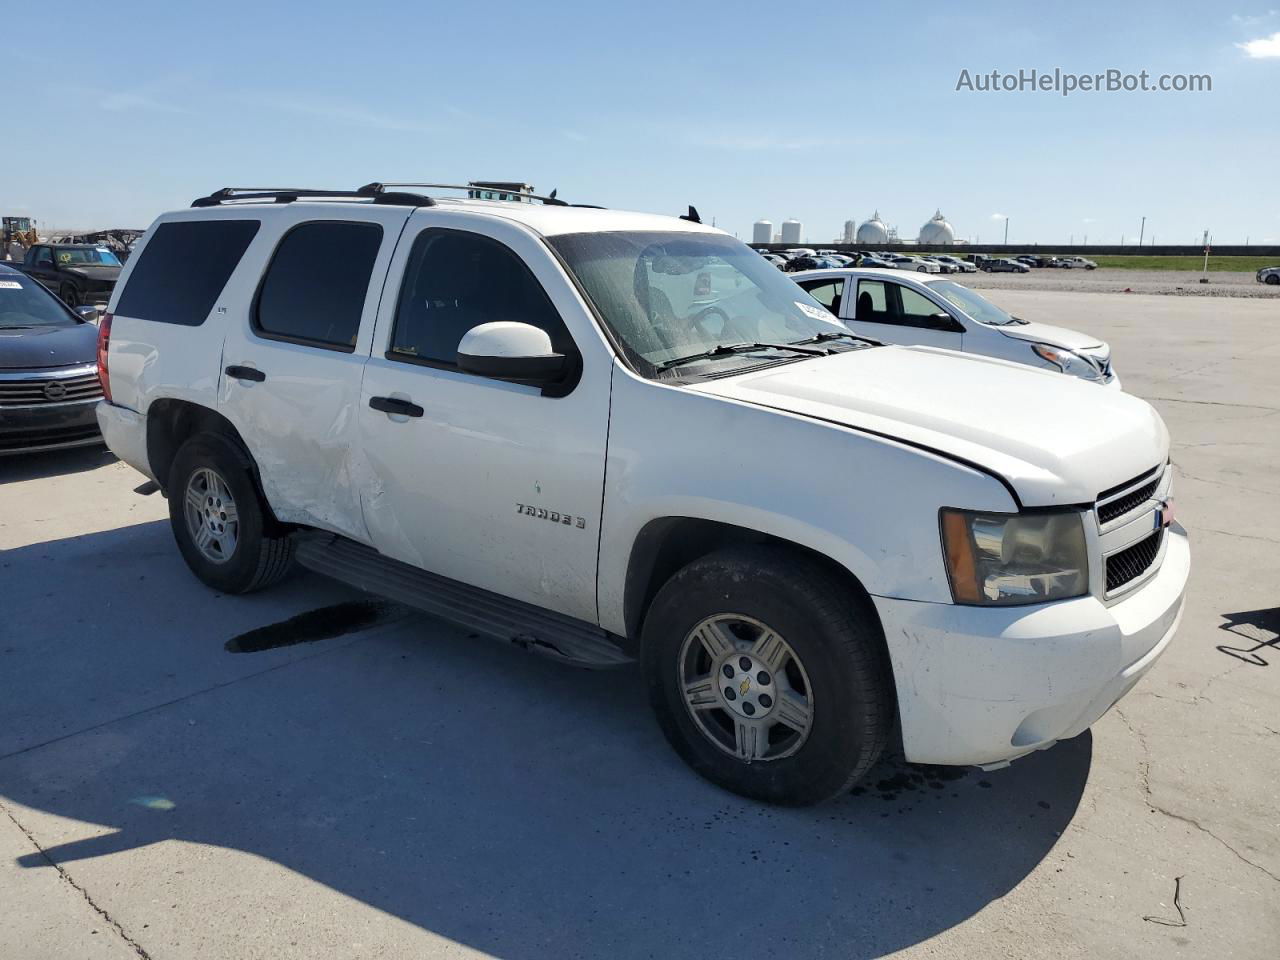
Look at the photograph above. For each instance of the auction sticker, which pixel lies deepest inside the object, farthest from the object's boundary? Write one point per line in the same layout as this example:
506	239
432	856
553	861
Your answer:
817	313
10	285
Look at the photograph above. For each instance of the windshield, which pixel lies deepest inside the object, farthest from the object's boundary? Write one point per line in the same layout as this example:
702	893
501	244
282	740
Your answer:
667	296
24	303
76	256
972	303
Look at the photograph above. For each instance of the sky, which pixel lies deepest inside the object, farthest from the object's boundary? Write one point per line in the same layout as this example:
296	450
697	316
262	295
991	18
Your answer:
117	112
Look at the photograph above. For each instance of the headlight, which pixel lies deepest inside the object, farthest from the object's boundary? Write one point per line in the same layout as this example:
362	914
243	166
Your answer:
1067	361
1012	558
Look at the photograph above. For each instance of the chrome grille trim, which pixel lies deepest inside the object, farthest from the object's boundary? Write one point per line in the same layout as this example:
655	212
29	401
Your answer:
27	388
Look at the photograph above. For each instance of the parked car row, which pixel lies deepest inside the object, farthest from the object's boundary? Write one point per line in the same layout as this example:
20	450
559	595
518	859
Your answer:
817	531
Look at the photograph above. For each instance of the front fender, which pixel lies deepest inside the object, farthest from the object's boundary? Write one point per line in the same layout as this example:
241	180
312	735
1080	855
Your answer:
868	503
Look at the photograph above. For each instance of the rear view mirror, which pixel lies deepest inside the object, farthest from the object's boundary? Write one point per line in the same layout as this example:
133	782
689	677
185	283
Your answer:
505	350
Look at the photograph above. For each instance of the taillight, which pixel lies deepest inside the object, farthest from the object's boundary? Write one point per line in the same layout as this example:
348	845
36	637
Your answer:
104	341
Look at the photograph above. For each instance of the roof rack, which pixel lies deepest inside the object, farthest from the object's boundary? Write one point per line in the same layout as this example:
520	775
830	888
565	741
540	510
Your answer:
292	194
480	185
388	193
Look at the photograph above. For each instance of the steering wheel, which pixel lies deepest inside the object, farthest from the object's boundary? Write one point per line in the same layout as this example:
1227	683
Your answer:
703	314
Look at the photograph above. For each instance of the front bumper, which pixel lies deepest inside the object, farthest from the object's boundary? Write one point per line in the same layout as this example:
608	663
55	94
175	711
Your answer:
49	426
985	685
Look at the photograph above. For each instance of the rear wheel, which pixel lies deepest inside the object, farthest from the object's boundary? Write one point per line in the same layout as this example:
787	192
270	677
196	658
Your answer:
70	295
1274	280
218	518
767	677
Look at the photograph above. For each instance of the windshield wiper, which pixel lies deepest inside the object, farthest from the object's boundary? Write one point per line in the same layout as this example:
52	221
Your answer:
837	335
726	349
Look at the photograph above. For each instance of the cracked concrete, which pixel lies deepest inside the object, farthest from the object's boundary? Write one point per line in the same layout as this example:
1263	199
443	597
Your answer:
407	792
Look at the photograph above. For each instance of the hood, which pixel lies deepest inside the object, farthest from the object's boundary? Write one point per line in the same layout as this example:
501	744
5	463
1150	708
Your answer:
1056	440
49	346
1054	336
92	271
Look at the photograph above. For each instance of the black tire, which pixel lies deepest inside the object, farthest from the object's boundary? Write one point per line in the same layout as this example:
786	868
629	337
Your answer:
1273	280
70	295
262	555
831	630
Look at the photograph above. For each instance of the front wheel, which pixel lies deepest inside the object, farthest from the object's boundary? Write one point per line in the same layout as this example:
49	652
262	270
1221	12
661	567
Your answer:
767	676
70	296
218	520
1273	280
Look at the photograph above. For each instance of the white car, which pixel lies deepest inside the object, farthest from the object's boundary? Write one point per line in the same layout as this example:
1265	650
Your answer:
914	264
609	436
896	308
957	265
1076	263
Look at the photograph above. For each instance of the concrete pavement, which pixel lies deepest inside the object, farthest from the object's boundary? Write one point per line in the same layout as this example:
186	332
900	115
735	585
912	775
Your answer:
406	790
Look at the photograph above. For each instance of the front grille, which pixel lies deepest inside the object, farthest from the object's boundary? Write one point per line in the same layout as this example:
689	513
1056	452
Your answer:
1130	501
32	392
1133	561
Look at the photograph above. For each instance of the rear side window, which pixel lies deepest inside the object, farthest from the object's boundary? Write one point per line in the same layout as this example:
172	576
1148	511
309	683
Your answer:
454	281
183	268
315	288
826	292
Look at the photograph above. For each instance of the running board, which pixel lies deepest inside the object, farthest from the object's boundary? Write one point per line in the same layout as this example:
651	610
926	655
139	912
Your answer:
533	628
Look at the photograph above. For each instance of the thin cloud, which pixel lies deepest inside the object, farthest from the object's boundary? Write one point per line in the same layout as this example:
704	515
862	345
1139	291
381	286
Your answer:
1252	20
575	136
1262	48
341	111
123	101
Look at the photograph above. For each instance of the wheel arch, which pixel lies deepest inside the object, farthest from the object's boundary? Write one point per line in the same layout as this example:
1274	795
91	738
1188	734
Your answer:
171	422
667	544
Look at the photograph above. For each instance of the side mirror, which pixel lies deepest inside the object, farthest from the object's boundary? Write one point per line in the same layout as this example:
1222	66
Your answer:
505	350
87	313
943	321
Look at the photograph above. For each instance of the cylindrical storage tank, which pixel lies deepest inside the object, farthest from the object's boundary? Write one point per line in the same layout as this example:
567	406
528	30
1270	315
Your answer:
791	231
762	232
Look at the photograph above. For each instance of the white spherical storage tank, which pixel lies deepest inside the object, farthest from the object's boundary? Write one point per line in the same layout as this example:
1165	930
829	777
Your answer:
937	232
791	230
873	231
762	231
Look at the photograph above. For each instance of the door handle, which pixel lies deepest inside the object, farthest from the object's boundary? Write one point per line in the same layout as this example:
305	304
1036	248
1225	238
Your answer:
395	405
246	373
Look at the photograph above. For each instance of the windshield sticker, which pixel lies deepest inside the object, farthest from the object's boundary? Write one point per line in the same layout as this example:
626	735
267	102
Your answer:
102	250
817	313
10	285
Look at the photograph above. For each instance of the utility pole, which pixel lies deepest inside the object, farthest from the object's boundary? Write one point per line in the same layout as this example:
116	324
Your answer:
1006	231
1141	230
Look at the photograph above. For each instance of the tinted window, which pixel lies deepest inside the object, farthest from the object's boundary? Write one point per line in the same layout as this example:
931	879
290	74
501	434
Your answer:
315	288
916	306
454	281
872	305
826	292
183	268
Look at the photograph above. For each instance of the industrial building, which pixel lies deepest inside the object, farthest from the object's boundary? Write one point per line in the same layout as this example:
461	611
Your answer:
937	232
791	231
762	231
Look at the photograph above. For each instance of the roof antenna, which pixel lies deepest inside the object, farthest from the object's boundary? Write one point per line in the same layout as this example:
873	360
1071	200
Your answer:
692	215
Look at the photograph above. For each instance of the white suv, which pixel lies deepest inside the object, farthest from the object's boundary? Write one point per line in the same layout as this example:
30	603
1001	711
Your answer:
611	436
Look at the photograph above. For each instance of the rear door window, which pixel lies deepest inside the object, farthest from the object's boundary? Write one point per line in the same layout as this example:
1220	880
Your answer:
183	268
872	305
826	292
315	287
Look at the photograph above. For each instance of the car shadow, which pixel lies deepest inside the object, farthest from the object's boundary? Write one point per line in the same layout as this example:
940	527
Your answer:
513	805
53	463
